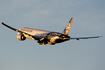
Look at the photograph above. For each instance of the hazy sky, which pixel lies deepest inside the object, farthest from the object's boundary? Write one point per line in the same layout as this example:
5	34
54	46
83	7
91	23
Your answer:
53	15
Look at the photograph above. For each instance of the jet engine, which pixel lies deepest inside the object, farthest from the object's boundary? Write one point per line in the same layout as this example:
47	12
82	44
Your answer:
21	37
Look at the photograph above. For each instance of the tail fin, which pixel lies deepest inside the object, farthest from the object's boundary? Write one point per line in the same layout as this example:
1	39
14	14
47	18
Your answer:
67	29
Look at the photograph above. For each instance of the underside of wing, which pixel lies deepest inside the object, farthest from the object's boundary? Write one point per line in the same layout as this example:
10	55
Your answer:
8	26
86	37
25	34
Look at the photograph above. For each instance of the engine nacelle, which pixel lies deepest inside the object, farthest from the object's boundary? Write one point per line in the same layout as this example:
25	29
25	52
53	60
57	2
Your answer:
21	37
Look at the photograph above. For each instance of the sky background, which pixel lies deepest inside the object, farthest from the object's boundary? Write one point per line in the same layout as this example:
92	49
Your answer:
53	15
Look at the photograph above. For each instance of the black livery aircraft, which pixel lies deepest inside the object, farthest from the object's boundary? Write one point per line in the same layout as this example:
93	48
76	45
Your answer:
46	37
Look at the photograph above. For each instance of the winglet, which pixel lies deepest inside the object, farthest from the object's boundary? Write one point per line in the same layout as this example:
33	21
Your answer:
67	29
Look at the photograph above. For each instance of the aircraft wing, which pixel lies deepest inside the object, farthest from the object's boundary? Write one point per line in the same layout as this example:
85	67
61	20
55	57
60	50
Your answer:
86	37
33	37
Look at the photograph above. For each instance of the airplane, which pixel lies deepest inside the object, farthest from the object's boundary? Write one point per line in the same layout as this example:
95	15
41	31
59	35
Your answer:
46	37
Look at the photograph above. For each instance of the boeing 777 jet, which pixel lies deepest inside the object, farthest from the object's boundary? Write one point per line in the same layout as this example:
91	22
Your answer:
45	37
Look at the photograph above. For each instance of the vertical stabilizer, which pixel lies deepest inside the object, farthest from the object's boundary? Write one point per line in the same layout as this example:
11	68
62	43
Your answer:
67	29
